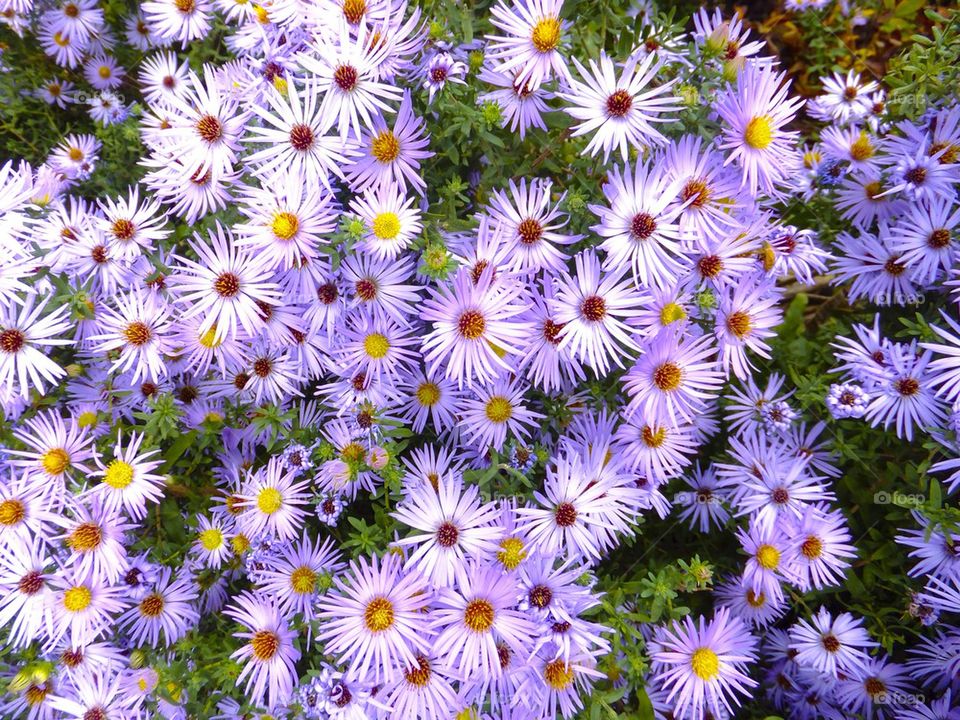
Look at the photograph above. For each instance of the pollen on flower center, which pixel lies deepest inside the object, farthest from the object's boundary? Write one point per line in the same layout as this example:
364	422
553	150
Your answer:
875	687
768	557
12	340
593	308
447	534
209	128
558	674
420	675
565	514
85	538
152	605
830	643
353	10
386	226
211	539
642	226
376	346
12	511
759	132
285	225
209	339
262	367
345	76
739	323
653	438
378	615
264	644
667	376
366	289
478	615
755	600
907	386
303	580
119	474
77	598
540	596
227	285
75	154
471	324
812	547
546	34
55	461
705	664
185	6
137	333
862	149
122	229
269	500
710	266
301	137
551	331
619	103
894	267
385	147
498	409
31	583
529	231
511	552
671	312
939	239
428	394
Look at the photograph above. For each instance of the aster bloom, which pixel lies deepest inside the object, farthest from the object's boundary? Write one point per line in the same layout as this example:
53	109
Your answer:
81	608
138	328
703	665
441	69
521	105
754	112
303	570
373	620
269	655
26	593
495	411
270	502
620	112
390	221
95	539
847	97
641	226
128	480
530	45
168	607
453	523
925	238
745	319
592	307
56	449
819	549
470	319
830	644
473	617
225	287
23	334
182	20
904	395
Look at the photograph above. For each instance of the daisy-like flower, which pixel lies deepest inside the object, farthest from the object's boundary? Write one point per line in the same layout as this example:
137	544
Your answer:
139	330
704	500
344	71
303	570
95	539
673	379
98	695
374	619
436	399
754	112
392	154
168	607
26	594
57	92
590	307
847	400
745	319
161	77
295	134
440	70
641	225
530	45
620	112
23	334
703	666
846	98
128	480
531	220
270	502
495	411
424	692
521	105
390	221
904	394
766	568
269	655
453	525
182	20
225	287
925	238
379	285
831	645
56	449
819	549
81	608
472	618
475	323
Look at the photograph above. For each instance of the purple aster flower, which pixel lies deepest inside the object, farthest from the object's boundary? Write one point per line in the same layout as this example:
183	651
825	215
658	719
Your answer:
847	400
530	45
831	645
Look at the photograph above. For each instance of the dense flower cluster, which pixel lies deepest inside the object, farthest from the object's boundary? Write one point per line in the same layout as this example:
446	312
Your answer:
273	301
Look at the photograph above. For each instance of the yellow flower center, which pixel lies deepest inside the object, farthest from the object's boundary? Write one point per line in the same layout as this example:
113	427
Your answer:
11	512
558	674
352	453
85	537
498	409
103	71
209	339
862	148
303	580
77	598
511	553
739	324
478	615
385	147
759	132
285	225
376	346
262	17
55	461
87	419
211	539
119	474
269	500
671	312
378	615
240	543
768	557
428	394
264	644
386	226
546	34
152	605
75	154
705	664
653	438
667	376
